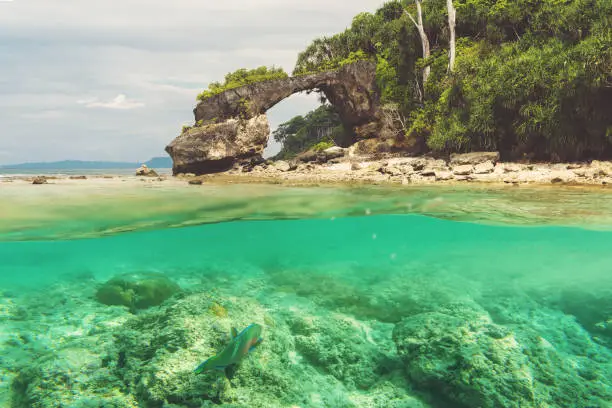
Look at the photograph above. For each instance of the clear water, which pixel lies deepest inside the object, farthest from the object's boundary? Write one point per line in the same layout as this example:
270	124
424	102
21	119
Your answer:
7	173
368	297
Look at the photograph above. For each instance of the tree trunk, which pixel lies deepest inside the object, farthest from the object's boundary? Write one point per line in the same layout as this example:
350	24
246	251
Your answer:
452	14
424	40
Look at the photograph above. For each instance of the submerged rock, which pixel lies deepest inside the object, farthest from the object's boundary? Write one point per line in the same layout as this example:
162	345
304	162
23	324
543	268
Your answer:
137	290
460	356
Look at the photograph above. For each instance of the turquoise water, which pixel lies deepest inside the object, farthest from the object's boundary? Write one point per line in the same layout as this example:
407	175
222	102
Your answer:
462	299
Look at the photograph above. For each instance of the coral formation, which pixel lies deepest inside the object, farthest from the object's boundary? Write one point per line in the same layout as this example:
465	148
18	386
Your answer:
353	338
460	355
137	290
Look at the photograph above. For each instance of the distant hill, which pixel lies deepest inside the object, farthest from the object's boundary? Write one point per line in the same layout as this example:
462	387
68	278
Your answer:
156	162
160	162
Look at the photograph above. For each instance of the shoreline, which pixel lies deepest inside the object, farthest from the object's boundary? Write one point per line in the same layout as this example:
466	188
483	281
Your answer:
469	169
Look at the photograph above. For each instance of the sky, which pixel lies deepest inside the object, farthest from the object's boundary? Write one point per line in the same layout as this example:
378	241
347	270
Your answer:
116	79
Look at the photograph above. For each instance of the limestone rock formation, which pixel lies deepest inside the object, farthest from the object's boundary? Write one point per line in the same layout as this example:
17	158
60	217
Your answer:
217	147
232	127
473	158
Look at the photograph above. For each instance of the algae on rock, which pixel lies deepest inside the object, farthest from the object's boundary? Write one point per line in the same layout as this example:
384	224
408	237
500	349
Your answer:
459	354
137	290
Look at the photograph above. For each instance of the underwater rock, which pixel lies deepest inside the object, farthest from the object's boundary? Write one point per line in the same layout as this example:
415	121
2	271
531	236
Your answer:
592	309
458	354
358	362
371	296
156	352
137	290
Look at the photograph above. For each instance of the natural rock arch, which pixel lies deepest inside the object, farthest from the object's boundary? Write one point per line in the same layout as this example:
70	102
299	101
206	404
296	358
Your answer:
232	128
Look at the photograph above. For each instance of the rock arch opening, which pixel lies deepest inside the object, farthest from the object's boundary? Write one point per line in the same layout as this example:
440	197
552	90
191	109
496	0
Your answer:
232	127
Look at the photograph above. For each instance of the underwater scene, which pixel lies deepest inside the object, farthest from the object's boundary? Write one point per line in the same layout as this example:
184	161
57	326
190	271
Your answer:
273	296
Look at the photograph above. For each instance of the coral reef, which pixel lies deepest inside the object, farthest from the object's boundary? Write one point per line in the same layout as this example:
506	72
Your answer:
137	290
459	354
437	346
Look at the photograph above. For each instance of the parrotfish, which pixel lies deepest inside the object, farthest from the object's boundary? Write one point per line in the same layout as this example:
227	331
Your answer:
239	346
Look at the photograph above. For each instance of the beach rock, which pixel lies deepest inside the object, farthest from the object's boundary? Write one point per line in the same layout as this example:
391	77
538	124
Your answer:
473	158
334	152
484	168
428	172
602	168
39	180
282	165
196	182
219	146
311	156
392	170
420	163
442	175
512	167
137	290
77	178
146	171
463	170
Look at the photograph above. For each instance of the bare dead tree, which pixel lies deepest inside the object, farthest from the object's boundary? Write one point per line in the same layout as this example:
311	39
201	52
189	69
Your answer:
394	117
452	15
424	40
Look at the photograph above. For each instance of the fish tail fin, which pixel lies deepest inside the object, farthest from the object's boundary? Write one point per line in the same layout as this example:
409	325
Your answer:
206	365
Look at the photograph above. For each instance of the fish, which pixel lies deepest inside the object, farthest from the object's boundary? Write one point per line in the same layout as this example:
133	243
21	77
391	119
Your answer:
240	345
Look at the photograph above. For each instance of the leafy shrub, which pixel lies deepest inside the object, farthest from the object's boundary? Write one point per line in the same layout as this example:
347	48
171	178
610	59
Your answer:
242	77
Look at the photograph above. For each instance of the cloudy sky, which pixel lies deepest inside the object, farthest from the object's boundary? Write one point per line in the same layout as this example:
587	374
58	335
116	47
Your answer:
116	79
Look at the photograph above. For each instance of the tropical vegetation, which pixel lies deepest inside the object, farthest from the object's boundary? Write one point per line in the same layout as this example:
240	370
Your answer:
243	77
531	78
317	130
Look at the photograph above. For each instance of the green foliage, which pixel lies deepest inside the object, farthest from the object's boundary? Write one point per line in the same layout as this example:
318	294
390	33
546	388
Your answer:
243	77
319	147
532	78
320	129
334	64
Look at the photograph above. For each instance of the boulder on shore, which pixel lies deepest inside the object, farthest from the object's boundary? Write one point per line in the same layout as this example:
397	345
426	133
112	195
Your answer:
39	180
473	158
146	171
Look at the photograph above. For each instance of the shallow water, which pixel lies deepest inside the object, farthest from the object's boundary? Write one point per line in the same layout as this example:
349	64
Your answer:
369	297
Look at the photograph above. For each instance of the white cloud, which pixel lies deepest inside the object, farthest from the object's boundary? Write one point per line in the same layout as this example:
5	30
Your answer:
119	102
